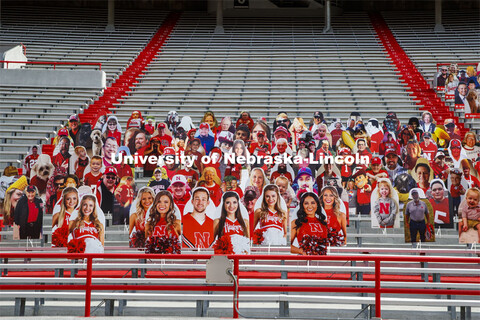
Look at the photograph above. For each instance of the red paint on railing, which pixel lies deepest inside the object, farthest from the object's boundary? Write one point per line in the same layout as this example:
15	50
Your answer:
377	290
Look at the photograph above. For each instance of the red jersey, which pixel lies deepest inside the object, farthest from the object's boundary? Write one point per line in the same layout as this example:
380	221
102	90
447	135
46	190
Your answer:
58	160
87	231
375	141
91	180
455	191
29	163
161	230
215	194
232	227
272	220
441	210
312	227
125	196
196	235
430	151
363	197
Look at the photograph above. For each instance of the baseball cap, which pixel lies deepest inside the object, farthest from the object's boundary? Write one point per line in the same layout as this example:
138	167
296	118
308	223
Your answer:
178	178
110	170
303	171
427	135
169	151
439	154
73	117
359	173
204	125
376	160
261	134
455	143
390	151
63	132
161	125
31	188
281	129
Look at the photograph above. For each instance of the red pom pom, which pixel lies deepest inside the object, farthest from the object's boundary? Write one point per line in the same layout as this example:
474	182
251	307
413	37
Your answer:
335	239
163	244
137	240
76	246
258	236
223	245
313	245
60	236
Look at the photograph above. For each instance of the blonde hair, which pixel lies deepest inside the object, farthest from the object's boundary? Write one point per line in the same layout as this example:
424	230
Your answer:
63	208
78	222
386	184
7	204
140	210
475	190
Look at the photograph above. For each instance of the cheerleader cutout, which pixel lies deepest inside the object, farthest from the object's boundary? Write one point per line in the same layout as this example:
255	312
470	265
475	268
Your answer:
270	218
87	230
231	227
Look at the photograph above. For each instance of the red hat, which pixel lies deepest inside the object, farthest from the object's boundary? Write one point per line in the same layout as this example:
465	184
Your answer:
161	125
261	133
110	170
281	129
389	151
204	125
344	150
359	173
455	143
376	160
169	151
63	132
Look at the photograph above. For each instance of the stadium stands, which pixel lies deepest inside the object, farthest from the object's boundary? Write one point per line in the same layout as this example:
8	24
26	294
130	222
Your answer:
63	35
265	65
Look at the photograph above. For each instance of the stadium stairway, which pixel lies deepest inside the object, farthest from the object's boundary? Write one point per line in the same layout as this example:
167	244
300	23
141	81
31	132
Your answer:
128	78
411	76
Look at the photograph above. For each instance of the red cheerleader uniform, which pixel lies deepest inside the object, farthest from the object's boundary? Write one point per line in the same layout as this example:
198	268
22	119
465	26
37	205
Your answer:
272	220
232	227
312	227
196	235
161	230
87	231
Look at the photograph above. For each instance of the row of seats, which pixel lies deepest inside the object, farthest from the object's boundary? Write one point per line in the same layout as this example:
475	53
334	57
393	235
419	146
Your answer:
79	35
28	115
268	65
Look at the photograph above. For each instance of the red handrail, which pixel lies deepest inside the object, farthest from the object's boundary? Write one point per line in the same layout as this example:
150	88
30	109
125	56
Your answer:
55	63
377	290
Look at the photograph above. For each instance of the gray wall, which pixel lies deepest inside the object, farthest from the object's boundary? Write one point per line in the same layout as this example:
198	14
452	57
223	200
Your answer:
53	78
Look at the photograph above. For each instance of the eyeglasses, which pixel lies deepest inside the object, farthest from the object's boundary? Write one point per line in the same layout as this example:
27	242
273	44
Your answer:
59	184
111	177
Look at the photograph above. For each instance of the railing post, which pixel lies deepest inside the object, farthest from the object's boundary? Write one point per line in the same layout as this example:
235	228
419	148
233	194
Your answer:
378	307
88	287
235	294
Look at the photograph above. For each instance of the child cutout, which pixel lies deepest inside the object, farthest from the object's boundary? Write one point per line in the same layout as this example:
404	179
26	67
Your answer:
457	188
470	214
385	205
81	162
91	178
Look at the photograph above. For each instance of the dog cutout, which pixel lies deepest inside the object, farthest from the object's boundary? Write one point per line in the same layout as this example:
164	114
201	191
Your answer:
41	171
97	142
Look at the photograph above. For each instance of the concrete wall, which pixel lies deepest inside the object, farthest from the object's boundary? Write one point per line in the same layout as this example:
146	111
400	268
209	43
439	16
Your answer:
266	8
13	52
53	78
